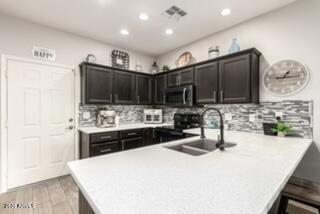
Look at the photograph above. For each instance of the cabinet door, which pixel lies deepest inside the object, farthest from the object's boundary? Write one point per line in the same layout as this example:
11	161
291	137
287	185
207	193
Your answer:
160	85
206	82
144	89
124	87
132	143
147	136
97	85
173	79
186	76
234	75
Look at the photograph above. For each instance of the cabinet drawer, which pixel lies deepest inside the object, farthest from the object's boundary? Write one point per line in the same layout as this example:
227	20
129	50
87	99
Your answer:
132	143
103	137
131	133
104	148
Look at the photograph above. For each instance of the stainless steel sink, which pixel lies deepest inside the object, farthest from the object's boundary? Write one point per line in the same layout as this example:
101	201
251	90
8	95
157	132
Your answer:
203	144
199	147
187	149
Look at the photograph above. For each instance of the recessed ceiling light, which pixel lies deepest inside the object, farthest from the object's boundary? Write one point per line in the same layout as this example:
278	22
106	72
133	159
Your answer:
144	16
225	12
124	32
169	31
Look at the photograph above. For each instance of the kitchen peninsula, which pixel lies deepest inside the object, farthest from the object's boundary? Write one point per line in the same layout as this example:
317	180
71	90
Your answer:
245	179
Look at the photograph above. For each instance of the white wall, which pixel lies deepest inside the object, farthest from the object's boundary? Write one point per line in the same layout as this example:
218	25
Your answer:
17	37
292	32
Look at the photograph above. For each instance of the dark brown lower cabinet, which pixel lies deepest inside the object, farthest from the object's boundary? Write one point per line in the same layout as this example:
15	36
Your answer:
104	148
84	207
148	136
132	143
109	142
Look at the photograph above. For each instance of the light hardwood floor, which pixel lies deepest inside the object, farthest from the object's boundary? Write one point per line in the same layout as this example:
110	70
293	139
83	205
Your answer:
60	196
55	196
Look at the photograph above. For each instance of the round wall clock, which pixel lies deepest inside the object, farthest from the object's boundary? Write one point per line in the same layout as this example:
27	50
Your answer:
285	77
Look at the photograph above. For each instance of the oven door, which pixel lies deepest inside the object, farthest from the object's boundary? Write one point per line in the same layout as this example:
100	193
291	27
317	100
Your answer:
180	96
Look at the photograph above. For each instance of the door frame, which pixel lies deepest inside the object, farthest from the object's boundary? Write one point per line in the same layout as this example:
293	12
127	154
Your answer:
4	112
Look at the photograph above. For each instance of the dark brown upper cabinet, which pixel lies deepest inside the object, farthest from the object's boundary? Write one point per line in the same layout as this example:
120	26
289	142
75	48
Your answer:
160	85
144	89
181	77
96	84
124	87
239	79
206	83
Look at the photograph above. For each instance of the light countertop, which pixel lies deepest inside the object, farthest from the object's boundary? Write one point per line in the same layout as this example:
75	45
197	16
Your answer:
93	130
245	179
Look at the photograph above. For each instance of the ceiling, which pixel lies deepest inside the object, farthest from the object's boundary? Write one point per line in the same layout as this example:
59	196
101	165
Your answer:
102	20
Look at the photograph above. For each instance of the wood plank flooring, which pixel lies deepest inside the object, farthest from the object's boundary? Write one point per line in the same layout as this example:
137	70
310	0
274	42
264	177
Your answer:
55	196
60	196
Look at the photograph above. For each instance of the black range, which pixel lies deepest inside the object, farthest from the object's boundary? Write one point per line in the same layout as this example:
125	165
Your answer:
175	132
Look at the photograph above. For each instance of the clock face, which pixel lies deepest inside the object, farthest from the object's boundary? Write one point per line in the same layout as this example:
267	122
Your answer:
286	77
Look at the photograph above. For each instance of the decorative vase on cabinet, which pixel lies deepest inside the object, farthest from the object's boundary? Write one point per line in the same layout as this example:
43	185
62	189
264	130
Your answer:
234	46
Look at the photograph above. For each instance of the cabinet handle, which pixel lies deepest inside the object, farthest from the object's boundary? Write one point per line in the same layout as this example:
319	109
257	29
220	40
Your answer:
111	97
164	99
106	150
184	96
179	80
105	137
221	98
214	95
132	133
122	145
138	99
116	97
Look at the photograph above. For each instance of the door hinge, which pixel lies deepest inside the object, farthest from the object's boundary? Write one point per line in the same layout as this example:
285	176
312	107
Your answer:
6	73
74	72
6	124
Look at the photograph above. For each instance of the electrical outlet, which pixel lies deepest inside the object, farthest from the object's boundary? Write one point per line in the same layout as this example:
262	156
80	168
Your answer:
252	117
278	114
86	115
228	116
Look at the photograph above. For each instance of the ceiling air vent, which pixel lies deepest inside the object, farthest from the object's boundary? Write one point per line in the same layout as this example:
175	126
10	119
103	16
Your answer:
174	12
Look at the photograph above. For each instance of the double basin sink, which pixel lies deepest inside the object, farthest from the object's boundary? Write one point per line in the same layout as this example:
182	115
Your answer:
198	147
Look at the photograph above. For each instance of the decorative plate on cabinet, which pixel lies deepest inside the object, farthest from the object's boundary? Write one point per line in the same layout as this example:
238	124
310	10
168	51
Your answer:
120	59
184	59
285	77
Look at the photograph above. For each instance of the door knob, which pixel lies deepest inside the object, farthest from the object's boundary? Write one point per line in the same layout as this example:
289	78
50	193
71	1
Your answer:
71	120
70	127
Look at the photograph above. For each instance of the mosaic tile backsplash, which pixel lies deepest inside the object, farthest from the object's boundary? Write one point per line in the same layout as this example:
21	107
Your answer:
297	114
128	114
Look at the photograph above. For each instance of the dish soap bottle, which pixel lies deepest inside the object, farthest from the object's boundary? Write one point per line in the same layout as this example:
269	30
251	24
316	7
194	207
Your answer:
234	46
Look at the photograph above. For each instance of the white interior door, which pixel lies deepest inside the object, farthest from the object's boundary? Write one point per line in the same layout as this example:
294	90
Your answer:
40	122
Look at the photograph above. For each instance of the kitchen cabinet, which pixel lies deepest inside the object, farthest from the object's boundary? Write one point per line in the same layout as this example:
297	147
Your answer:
144	89
206	83
181	77
148	136
96	84
229	79
109	142
239	79
131	139
124	87
104	148
84	206
160	85
132	143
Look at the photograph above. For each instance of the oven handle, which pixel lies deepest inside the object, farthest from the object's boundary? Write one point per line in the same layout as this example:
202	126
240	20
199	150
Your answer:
184	96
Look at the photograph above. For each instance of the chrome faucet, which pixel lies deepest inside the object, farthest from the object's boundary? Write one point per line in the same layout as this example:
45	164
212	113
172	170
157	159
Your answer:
220	143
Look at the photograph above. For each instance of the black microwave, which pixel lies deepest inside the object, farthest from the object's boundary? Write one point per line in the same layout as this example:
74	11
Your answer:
180	96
